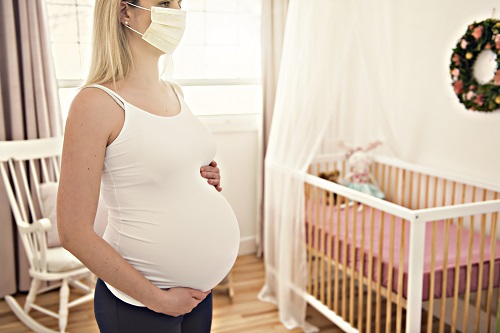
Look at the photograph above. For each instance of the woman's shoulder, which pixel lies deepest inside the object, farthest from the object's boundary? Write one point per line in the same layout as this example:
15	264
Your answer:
94	100
95	108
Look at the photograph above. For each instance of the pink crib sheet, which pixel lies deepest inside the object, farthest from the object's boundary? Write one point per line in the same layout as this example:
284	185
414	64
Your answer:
380	218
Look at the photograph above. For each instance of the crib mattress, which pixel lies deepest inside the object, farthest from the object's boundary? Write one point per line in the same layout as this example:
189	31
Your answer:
347	239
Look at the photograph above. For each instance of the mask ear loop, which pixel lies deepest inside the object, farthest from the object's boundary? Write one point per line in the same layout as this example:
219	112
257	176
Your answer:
137	32
126	22
138	6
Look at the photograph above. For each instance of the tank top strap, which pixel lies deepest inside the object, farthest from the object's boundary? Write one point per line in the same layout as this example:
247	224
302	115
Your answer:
118	99
175	88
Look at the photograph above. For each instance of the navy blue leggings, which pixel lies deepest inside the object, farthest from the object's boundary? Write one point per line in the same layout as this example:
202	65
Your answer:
115	316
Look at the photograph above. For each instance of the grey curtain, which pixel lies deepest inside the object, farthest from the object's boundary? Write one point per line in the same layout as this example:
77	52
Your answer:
29	109
274	13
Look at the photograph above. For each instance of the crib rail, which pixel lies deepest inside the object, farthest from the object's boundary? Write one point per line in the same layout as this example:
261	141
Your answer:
359	251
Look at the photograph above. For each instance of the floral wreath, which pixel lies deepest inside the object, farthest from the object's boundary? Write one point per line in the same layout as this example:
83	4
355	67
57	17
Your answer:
480	36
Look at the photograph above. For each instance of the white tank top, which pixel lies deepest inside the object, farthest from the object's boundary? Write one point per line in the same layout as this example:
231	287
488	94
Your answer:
164	218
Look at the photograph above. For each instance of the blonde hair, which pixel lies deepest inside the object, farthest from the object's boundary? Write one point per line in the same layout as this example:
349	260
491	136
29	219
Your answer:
111	58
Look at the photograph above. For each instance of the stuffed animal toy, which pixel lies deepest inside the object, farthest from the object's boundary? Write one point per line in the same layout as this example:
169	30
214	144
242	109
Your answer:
333	176
359	176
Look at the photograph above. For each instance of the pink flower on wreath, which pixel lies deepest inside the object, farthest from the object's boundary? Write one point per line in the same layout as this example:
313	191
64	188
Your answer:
464	44
496	80
497	41
479	99
458	86
455	72
472	87
456	59
478	32
470	95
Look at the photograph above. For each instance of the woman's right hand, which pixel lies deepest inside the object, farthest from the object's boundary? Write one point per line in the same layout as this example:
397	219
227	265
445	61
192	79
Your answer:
178	301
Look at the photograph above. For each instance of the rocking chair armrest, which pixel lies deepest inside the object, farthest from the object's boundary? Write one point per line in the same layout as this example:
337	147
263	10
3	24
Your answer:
44	223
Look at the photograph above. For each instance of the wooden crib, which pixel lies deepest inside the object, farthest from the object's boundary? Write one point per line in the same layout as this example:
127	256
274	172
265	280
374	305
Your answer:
426	259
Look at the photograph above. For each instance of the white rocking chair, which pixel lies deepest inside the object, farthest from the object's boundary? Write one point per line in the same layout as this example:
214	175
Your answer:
42	158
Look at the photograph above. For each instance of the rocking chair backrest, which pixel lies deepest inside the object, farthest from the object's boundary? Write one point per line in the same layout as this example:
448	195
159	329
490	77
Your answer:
30	163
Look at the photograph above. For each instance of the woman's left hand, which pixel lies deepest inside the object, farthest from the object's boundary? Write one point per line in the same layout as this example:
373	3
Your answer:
212	173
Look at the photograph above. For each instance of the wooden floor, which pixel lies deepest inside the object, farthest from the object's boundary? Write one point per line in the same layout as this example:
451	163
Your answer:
245	314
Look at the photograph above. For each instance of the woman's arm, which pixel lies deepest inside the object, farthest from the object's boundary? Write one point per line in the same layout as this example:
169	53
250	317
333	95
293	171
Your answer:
93	122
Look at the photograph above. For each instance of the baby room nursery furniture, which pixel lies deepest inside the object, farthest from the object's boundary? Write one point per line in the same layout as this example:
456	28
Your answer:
425	259
26	168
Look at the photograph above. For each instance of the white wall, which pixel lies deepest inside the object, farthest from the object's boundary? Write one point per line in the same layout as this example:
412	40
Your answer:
434	129
239	157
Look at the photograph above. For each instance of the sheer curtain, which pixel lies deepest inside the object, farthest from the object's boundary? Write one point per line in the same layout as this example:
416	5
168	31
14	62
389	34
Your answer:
334	82
29	109
274	13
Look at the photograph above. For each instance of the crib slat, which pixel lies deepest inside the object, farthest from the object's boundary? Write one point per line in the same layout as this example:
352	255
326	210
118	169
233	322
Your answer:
457	275
481	268
410	191
400	201
443	198
435	191
322	251
402	197
493	233
453	192
337	256
370	273
419	186
388	314
399	313
444	273
353	263
444	276
315	244
382	182
469	266
427	189
329	258
361	271
433	269
344	260
379	275
464	193
390	184
432	273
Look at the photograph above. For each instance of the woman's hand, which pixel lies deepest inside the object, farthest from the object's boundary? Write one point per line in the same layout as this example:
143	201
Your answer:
178	301
212	173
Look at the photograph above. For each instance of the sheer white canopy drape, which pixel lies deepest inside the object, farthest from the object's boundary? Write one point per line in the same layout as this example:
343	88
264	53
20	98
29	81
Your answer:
334	83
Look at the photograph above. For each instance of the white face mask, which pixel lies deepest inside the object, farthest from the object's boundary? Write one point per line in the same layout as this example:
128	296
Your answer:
166	29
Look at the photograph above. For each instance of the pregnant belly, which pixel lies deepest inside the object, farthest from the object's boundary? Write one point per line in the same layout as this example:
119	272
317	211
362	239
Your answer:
190	242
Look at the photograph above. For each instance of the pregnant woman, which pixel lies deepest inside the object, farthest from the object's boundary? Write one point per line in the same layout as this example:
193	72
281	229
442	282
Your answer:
170	237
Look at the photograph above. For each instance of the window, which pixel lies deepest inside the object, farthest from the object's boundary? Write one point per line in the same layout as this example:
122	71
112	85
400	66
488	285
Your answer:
217	63
70	24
